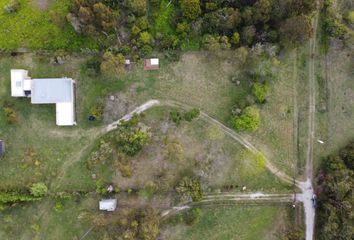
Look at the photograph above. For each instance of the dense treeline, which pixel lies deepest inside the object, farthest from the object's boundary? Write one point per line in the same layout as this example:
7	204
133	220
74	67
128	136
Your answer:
136	27
335	191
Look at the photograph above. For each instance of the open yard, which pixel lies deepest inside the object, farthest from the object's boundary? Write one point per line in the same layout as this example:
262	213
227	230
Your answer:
231	222
38	151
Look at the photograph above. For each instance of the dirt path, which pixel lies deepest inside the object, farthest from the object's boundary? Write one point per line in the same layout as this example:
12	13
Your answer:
234	198
273	169
306	187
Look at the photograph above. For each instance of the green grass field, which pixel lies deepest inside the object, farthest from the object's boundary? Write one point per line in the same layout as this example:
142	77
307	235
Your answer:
36	29
239	223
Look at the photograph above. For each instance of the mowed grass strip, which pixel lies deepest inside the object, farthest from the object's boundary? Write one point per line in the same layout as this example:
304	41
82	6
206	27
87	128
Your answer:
226	223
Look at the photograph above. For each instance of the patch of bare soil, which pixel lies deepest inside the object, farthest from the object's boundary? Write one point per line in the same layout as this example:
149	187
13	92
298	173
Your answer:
41	4
117	105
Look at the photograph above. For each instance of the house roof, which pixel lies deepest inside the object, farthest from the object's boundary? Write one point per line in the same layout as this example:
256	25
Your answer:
65	114
52	90
108	204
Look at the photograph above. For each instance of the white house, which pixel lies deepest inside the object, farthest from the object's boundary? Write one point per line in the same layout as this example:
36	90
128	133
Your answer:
108	205
58	91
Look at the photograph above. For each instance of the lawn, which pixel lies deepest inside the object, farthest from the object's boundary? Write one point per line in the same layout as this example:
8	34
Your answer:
231	222
33	28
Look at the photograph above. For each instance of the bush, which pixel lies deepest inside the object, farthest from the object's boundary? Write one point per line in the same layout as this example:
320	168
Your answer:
176	117
12	7
39	189
130	140
248	121
97	111
100	188
10	114
59	207
193	216
190	115
190	188
260	91
15	197
190	8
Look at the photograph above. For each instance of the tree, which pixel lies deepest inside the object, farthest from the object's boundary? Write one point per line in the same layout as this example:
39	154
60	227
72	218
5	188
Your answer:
138	7
190	8
130	140
262	10
249	120
145	38
235	38
211	43
260	91
248	34
296	30
39	189
112	64
183	29
247	15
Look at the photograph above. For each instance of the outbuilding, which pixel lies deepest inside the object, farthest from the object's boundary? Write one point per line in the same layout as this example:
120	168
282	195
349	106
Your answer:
2	148
108	205
151	64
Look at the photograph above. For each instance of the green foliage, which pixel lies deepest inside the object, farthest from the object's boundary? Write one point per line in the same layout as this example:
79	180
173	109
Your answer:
335	187
190	188
249	120
183	29
211	43
58	207
112	64
349	16
97	111
296	30
10	114
176	117
190	8
130	140
12	7
100	188
235	38
145	38
260	91
192	216
14	197
191	114
104	152
138	7
292	234
35	227
39	189
163	20
36	29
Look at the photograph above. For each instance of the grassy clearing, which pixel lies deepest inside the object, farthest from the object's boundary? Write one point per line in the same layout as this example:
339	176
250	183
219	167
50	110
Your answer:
256	222
163	21
36	29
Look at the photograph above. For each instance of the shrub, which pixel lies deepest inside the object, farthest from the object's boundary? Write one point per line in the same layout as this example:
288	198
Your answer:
130	140
249	120
100	188
15	197
97	111
190	115
260	91
39	189
190	188
59	207
12	7
10	114
176	117
193	216
35	227
112	64
190	8
235	38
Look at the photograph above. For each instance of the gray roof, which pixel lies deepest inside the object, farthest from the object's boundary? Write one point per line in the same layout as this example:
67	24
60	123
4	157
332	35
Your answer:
51	90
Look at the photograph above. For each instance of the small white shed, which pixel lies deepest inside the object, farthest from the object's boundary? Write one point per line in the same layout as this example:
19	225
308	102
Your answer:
108	205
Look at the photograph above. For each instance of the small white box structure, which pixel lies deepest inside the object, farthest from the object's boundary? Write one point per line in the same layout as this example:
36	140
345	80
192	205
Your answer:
58	91
151	64
108	205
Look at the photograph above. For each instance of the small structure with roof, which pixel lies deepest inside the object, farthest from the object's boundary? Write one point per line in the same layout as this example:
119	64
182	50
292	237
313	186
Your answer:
58	91
151	64
108	205
2	148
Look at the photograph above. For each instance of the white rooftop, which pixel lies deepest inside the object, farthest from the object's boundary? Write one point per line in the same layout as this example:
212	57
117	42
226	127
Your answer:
154	61
59	91
108	205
